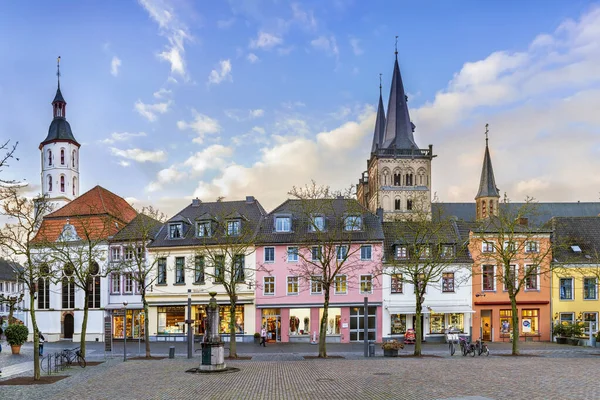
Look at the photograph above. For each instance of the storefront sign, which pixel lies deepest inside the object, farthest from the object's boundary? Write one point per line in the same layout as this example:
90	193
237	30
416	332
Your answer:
344	325
526	325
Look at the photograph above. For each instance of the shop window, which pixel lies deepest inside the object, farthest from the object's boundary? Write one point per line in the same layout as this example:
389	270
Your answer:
171	320
334	320
398	323
179	270
436	323
292	285
299	321
225	315
396	285
115	283
269	285
532	274
488	278
590	291
316	286
506	321
134	324
448	282
269	254
530	321
457	321
566	288
199	269
340	284
366	284
162	271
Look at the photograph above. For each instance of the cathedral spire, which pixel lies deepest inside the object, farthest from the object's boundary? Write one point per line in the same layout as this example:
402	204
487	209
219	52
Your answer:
379	123
487	183
58	104
398	128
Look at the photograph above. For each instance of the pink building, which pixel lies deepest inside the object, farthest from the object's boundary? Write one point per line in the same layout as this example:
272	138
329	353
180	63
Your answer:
289	302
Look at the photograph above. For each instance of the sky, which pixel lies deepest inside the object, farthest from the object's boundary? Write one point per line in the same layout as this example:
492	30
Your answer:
176	99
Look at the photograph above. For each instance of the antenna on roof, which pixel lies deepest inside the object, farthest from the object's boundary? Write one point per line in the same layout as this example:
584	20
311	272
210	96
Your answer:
58	70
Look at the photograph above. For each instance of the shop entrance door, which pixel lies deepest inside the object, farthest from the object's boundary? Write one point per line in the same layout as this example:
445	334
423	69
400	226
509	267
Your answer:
68	326
273	328
357	324
486	325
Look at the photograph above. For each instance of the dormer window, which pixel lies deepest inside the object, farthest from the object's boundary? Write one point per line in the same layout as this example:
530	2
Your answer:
176	230
353	223
317	224
283	224
203	229
401	252
233	228
447	251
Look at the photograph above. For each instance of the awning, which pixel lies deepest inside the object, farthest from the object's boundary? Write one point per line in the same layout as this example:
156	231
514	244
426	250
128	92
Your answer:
445	309
119	306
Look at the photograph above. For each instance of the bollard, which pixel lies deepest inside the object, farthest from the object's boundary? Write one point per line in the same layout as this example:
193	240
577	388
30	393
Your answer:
172	352
371	349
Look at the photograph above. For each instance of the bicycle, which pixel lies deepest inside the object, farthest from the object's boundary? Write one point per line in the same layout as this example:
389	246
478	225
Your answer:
452	338
47	363
466	347
70	355
481	347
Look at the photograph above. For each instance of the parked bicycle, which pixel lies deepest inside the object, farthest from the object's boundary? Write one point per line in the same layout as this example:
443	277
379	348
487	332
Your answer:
70	355
481	347
466	347
452	339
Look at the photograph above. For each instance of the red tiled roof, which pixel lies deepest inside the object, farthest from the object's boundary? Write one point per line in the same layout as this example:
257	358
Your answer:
97	201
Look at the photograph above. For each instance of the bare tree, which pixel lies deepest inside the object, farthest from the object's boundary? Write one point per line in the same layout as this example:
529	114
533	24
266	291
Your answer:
135	238
419	252
331	226
17	242
508	240
8	151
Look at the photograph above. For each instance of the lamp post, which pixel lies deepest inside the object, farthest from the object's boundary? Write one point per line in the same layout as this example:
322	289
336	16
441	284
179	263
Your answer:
124	331
190	337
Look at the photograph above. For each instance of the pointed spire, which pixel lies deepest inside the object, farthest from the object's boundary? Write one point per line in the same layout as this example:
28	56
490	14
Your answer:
398	128
379	123
487	183
58	97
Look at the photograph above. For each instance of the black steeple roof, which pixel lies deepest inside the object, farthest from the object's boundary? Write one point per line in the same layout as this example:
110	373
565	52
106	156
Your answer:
59	97
398	128
487	183
379	125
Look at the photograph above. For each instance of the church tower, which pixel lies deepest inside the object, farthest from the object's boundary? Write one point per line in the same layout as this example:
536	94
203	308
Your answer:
488	195
398	176
60	155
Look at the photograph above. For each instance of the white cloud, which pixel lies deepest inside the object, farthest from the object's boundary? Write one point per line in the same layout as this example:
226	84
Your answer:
341	113
326	44
213	157
256	135
114	65
305	19
355	43
244	115
265	41
253	58
150	111
223	73
140	155
225	23
162	93
124	163
121	137
165	176
202	125
257	113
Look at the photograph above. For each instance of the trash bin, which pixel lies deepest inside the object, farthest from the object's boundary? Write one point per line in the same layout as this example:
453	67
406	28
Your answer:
371	349
172	352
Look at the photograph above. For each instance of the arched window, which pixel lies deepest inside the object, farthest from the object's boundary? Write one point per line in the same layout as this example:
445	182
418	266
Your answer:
62	183
73	159
62	156
409	179
397	204
74	186
483	209
491	207
49	183
49	157
397	180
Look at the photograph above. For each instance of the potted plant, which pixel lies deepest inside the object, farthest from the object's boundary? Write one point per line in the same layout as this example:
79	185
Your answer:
256	338
576	333
16	335
559	330
391	347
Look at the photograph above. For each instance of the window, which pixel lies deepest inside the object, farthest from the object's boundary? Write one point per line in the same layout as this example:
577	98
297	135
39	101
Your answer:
424	251
269	285
292	254
447	251
233	228
397	204
505	321
401	252
292	285
62	183
68	292
510	246
448	282
590	322
127	283
203	229
115	253
74	186
316	286
315	253
340	284
488	279
283	224
49	183
353	223
409	204
219	268
176	231
589	289
179	271
317	224
397	180
529	321
532	247
238	267
566	318
94	292
487	247
269	254
115	283
199	269
365	252
419	283
50	157
511	277
436	323
366	284
128	253
341	252
62	156
73	157
531	277
398	323
162	271
566	288
140	253
396	285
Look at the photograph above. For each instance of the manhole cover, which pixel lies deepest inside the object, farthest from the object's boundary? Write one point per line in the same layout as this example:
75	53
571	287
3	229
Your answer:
325	380
381	373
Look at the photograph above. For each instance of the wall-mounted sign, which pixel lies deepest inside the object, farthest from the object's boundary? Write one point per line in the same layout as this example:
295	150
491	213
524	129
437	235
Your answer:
344	325
526	325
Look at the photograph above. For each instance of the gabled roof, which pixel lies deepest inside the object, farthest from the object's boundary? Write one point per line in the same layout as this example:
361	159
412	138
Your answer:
8	270
95	201
334	211
249	210
141	227
577	231
487	183
495	224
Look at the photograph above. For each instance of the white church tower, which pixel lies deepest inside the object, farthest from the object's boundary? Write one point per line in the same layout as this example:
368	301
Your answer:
60	155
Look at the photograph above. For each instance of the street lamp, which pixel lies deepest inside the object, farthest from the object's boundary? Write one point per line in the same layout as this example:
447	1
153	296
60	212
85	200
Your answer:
124	331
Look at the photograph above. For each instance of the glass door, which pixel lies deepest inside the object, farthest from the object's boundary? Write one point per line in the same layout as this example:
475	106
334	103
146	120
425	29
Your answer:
357	324
486	325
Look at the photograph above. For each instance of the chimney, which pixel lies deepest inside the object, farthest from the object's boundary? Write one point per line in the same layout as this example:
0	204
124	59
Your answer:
379	213
523	221
249	199
196	202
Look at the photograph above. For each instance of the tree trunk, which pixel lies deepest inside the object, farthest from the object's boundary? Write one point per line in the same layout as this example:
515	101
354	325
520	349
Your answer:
515	324
232	343
418	327
84	323
11	311
36	340
146	332
323	327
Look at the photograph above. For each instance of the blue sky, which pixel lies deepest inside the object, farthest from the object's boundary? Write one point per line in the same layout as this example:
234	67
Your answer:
176	99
